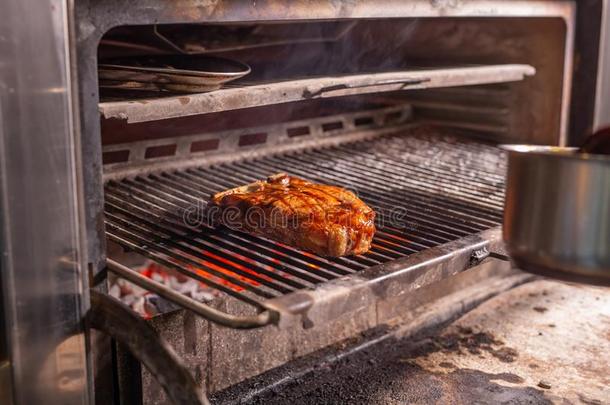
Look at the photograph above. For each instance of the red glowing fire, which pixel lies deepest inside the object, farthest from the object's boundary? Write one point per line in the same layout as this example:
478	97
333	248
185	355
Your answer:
218	270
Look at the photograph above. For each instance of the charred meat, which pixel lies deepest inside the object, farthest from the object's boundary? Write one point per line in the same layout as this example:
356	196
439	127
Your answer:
326	220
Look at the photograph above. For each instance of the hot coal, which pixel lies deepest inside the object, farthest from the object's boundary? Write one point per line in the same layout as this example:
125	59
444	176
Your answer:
148	304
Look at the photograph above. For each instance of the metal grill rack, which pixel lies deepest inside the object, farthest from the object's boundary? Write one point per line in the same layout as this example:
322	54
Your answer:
428	189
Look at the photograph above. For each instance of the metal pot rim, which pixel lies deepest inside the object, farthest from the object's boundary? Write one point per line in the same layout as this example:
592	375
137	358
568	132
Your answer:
561	152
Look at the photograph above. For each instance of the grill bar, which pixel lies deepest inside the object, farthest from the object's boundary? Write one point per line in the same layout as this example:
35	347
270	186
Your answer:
151	188
374	189
217	247
138	248
416	183
426	240
255	272
225	182
383	244
446	179
387	231
260	255
429	190
373	257
193	266
415	212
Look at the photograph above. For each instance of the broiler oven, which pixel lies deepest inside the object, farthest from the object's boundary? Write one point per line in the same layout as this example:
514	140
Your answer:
107	173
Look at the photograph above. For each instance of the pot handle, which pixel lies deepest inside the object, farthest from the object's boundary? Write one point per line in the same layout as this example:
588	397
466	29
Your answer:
117	320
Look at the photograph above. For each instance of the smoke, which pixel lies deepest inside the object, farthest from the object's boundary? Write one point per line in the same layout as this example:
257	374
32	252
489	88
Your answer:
336	48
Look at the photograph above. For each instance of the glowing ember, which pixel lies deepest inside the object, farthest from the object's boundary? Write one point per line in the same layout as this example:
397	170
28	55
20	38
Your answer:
148	304
233	273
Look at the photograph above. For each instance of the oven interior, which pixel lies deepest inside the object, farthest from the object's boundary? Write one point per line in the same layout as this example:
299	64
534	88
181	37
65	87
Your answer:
407	113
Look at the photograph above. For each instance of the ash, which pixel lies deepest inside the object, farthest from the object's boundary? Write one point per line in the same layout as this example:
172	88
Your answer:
148	304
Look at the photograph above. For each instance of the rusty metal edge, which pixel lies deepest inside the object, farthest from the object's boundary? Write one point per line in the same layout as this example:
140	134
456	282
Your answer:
152	109
113	13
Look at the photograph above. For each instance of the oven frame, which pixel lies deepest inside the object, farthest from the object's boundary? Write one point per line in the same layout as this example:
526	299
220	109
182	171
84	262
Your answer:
95	18
69	149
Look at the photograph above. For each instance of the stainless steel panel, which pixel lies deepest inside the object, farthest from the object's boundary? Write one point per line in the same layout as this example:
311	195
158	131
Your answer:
44	288
602	105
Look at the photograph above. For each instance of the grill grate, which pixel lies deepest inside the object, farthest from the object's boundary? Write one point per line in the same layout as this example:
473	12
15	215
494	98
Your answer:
428	188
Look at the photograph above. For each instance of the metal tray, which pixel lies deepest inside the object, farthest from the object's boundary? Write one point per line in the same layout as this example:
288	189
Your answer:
154	87
173	72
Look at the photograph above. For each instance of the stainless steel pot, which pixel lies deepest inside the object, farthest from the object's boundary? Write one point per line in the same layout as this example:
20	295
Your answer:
557	213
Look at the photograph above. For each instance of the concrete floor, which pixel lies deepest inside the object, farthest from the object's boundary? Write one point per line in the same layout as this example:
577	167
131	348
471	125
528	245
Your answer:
542	342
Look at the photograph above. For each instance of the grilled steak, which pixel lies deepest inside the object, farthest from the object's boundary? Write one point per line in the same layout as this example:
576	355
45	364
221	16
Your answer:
326	220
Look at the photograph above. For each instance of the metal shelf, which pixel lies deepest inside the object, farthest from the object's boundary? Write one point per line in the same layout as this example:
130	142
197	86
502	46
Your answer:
255	95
